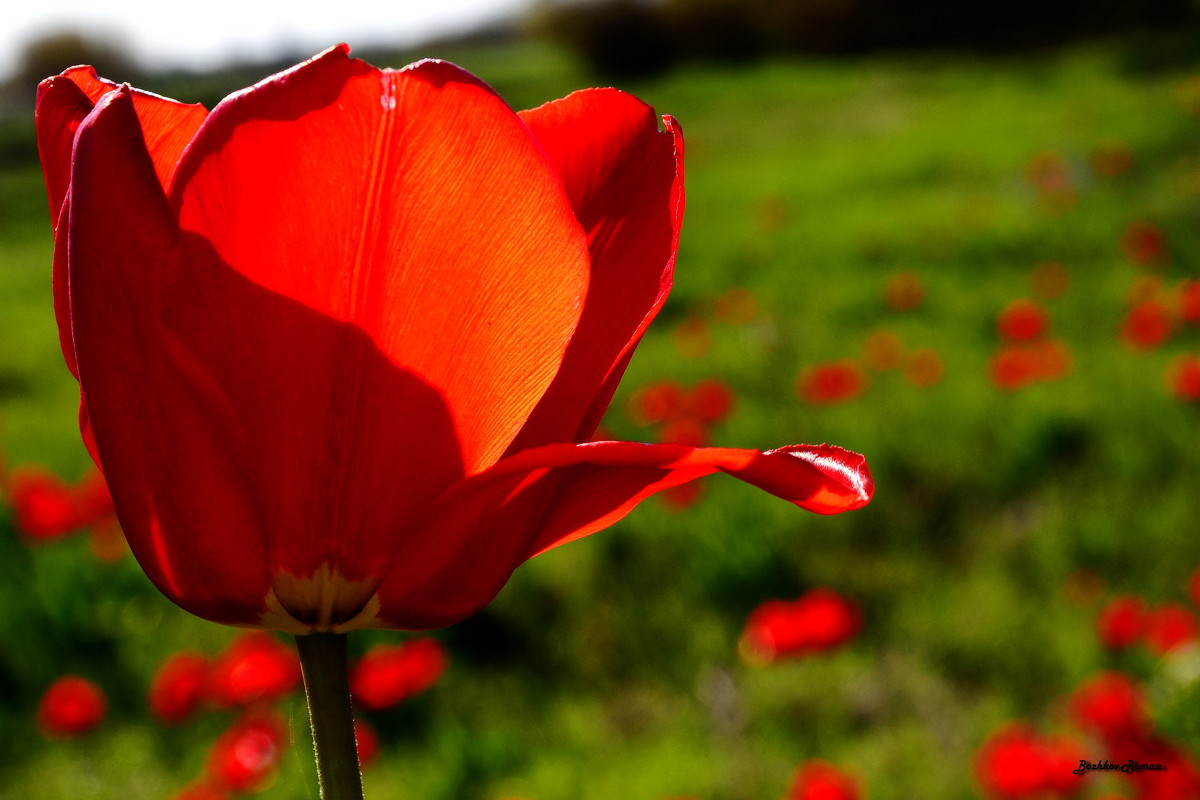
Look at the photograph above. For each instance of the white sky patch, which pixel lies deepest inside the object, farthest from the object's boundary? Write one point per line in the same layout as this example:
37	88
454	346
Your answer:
209	33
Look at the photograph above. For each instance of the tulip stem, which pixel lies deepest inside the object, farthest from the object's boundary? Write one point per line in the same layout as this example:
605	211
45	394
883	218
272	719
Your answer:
327	685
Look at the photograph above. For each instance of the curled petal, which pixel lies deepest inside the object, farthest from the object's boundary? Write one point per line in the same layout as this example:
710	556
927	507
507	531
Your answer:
484	526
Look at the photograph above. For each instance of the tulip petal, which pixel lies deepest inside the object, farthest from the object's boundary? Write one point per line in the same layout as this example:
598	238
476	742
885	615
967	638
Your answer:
624	178
484	526
415	216
160	431
63	102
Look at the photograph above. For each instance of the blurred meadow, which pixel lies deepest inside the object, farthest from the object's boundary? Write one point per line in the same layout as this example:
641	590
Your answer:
857	230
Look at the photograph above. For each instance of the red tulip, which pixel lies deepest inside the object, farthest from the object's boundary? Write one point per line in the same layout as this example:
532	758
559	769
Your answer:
1183	378
1014	367
923	368
1111	705
71	707
43	504
367	743
1022	321
1143	243
1122	622
342	356
1169	626
179	686
1189	302
883	351
388	674
1015	763
1147	325
255	668
817	780
834	382
904	291
243	757
203	790
820	620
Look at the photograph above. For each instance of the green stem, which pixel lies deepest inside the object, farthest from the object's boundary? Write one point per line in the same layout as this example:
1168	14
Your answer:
327	685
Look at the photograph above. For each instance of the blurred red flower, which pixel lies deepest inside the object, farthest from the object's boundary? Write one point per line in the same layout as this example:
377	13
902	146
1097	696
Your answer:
1169	626
1021	321
883	351
1143	243
1014	367
1183	378
203	790
179	686
244	756
692	337
923	367
1110	705
736	306
1112	158
657	402
367	743
818	780
388	674
1147	325
256	668
43	504
1052	358
820	620
70	707
711	400
374	394
904	291
1122	622
1189	302
1017	764
829	383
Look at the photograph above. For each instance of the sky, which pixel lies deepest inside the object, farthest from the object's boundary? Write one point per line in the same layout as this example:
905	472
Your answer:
207	33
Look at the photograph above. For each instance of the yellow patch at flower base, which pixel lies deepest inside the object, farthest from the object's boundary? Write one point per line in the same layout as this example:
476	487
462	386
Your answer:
323	602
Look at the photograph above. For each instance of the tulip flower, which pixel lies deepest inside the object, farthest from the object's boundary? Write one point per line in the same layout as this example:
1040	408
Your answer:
70	707
342	342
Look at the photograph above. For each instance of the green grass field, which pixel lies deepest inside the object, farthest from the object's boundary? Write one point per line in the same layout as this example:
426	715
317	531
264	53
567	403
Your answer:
609	668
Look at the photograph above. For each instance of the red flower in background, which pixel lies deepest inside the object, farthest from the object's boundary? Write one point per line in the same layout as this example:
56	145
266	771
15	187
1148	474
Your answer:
1110	705
904	291
883	351
1112	158
1022	321
328	397
817	780
1147	325
1169	626
43	504
820	620
1143	243
1014	367
388	674
179	686
367	743
1017	764
834	382
203	790
244	756
1183	378
1122	622
71	707
256	668
1189	302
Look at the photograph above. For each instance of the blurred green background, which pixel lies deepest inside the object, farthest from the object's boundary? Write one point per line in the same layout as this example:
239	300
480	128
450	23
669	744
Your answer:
609	668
